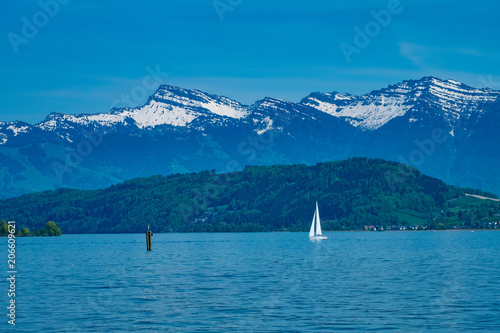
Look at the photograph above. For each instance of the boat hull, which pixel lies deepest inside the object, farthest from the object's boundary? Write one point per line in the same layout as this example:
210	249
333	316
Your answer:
317	237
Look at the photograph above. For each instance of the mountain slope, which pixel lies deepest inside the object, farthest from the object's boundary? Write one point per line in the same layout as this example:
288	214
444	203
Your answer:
351	194
444	128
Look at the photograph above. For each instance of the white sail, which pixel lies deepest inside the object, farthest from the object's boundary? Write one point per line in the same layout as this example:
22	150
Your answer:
311	232
318	223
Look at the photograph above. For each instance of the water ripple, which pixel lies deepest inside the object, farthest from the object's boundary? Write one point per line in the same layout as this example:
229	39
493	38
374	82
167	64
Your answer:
356	281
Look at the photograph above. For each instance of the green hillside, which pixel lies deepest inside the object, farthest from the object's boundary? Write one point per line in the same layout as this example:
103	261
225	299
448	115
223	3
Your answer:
351	194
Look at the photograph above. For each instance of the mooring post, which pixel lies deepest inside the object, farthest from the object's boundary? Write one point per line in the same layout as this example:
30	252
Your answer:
149	234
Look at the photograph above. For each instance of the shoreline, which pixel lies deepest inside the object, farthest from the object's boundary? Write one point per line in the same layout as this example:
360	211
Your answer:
262	232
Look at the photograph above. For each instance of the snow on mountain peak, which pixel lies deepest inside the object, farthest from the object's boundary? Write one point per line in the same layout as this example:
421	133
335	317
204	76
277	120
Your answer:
178	107
373	110
367	111
455	100
17	129
218	105
226	110
451	90
169	105
156	113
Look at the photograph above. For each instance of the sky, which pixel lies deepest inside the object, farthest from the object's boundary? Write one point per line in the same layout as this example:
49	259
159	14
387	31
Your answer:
75	56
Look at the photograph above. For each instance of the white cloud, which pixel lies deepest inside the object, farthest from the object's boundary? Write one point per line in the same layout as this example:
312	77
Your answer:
425	56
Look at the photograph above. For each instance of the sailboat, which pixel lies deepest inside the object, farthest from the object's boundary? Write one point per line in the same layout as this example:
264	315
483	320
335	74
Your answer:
316	221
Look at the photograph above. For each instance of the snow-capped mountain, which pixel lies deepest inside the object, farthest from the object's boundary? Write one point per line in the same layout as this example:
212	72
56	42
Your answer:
180	130
374	110
170	105
179	107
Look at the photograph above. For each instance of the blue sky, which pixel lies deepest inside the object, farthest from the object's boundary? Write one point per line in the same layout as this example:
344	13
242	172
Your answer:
87	56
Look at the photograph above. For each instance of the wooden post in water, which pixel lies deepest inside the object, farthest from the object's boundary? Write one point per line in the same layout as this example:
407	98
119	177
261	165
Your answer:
149	234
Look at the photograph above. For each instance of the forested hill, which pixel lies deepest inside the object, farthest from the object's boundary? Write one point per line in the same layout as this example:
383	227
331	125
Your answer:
350	193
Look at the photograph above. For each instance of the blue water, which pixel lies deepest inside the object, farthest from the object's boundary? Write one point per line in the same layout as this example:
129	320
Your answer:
258	282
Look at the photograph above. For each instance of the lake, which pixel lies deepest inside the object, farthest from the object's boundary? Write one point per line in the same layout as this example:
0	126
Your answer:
257	282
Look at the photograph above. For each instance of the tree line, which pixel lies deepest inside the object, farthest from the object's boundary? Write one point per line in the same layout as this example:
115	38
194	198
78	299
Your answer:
50	229
351	194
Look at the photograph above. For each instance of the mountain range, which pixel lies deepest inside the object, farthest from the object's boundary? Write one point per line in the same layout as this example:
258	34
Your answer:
444	128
